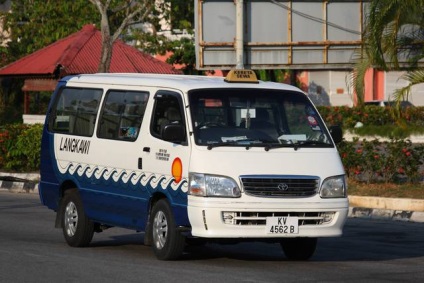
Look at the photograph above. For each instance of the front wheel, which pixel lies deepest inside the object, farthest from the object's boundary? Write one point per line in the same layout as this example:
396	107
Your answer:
299	248
78	230
168	243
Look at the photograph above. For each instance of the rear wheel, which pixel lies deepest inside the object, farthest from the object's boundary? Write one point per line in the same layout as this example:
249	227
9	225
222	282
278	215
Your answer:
299	248
167	241
77	229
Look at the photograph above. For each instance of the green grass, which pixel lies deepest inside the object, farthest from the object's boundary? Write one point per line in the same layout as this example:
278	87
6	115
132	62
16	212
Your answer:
415	191
389	131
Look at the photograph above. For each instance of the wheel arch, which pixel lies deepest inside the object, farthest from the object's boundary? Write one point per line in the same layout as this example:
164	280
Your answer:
152	201
66	186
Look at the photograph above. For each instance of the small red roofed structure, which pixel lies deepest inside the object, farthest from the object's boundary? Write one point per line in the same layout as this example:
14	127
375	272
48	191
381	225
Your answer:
79	53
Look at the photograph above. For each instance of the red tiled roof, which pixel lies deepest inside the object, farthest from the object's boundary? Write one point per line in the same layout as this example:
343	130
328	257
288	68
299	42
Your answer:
80	53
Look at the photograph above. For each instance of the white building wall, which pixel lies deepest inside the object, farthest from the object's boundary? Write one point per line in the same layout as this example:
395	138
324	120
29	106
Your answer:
417	95
393	81
339	91
329	88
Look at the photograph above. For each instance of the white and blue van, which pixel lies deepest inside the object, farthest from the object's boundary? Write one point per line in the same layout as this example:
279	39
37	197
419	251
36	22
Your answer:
190	159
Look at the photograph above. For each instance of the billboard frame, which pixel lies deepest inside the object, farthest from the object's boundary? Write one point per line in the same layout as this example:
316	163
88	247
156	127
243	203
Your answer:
218	37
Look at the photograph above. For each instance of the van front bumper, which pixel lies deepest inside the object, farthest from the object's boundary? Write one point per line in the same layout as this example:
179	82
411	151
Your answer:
233	218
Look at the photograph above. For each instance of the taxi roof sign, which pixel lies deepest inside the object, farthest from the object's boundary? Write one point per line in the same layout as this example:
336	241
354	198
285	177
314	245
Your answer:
241	76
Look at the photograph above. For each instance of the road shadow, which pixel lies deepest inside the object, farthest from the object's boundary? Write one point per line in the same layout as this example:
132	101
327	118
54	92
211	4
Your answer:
363	240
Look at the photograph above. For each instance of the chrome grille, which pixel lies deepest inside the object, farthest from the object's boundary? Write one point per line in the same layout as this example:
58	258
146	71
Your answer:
280	186
250	218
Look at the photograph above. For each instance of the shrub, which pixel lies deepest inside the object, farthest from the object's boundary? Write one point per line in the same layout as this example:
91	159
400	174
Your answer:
20	147
389	122
374	161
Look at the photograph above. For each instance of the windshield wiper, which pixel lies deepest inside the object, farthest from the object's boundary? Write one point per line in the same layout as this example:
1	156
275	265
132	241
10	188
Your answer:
279	145
312	142
248	143
218	144
296	144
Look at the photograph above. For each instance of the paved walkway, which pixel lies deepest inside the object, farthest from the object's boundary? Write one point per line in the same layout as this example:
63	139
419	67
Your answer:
397	209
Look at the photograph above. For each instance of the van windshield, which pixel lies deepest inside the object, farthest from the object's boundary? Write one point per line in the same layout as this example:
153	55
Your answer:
256	118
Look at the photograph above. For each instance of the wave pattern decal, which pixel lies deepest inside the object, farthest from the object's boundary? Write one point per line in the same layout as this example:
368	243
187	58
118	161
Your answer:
89	176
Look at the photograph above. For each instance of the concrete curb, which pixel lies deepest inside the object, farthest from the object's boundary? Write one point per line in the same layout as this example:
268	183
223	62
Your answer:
386	214
404	204
19	187
19	183
396	209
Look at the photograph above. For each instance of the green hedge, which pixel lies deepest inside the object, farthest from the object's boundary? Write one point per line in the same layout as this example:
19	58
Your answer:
20	147
376	120
366	161
395	161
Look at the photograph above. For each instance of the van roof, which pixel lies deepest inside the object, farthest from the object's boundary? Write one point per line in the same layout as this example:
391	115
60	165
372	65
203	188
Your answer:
182	82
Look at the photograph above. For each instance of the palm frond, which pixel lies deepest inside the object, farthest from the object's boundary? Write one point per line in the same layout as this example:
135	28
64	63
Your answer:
356	79
385	33
413	78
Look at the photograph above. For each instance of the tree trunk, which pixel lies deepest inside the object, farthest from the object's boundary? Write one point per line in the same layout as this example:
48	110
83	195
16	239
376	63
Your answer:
131	9
106	53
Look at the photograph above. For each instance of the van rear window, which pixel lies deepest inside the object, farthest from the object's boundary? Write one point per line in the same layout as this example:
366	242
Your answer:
75	111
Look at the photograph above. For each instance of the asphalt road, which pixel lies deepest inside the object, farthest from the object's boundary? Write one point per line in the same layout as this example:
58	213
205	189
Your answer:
32	250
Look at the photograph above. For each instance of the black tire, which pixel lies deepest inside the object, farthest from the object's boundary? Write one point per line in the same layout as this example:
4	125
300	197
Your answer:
299	248
167	241
77	229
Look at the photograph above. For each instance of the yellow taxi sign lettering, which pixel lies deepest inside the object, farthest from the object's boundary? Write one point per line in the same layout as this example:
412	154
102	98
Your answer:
241	76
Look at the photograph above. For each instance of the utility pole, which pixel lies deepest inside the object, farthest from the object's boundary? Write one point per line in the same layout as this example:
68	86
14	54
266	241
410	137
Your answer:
239	40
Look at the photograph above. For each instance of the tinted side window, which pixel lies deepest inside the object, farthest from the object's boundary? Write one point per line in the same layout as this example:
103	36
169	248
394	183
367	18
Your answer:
166	111
122	114
75	111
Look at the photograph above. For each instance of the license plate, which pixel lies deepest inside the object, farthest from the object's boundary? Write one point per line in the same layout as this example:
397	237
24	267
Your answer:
282	225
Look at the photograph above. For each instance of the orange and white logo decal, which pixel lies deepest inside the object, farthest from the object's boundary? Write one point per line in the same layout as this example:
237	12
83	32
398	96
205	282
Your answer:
177	169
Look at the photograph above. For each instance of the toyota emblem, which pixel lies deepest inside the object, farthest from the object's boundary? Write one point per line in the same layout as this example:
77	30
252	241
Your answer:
283	187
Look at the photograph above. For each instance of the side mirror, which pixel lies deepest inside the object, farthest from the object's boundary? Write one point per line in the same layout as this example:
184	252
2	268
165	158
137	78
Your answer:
336	133
174	133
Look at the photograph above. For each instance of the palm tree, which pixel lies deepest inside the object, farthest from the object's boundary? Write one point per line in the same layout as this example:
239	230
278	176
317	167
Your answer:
393	40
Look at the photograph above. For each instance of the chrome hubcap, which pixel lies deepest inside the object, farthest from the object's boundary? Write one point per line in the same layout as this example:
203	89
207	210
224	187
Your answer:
160	230
71	219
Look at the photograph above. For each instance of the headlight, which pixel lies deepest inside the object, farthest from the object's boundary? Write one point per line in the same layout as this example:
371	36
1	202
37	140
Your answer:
212	186
334	187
